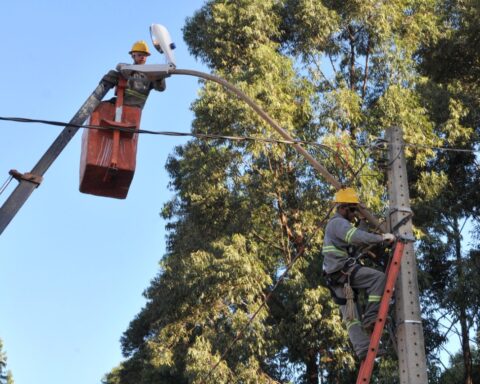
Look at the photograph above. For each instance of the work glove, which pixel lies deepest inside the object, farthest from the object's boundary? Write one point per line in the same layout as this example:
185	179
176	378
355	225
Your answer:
389	237
160	85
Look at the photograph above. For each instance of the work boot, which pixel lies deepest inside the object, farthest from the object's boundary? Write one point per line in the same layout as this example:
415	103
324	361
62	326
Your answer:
362	354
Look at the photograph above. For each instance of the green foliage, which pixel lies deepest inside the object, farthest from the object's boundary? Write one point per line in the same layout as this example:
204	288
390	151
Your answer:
227	36
6	376
456	372
332	73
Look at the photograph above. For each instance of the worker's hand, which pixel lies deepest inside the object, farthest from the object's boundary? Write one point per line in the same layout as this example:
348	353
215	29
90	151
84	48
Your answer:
359	216
389	237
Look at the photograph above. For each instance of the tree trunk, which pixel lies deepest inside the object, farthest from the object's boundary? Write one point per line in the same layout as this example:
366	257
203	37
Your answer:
312	367
466	352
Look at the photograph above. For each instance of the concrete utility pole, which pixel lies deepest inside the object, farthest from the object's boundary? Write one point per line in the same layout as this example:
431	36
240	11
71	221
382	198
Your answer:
409	331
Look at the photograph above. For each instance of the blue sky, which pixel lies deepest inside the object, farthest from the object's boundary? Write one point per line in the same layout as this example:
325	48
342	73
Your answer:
73	266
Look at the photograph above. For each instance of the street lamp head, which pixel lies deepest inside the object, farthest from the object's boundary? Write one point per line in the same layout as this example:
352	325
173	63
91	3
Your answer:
162	42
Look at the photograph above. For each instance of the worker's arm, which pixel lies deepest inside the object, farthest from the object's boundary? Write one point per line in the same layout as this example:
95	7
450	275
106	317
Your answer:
355	236
160	85
111	78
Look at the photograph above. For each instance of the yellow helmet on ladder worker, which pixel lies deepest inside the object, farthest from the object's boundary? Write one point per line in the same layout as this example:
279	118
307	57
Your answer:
346	195
140	46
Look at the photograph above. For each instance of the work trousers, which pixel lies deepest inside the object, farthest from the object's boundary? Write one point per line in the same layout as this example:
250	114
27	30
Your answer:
373	282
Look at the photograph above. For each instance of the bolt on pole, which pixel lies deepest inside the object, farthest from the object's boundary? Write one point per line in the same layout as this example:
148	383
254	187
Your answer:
409	332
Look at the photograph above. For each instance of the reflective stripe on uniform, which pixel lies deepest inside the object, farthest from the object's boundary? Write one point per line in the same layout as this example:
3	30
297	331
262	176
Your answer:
333	249
134	93
374	298
352	323
348	236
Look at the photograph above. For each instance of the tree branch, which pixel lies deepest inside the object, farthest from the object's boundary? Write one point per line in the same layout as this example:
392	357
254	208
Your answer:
365	73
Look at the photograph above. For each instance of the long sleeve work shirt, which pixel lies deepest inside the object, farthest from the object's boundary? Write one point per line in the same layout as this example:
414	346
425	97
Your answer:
340	234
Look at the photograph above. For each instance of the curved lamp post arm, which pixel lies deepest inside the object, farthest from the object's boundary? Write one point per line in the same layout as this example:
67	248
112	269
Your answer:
158	71
315	164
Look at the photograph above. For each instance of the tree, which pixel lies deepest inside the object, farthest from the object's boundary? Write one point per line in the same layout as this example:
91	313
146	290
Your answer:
245	212
453	97
6	376
456	372
443	218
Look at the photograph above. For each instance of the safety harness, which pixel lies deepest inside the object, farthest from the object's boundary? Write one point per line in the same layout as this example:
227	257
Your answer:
343	277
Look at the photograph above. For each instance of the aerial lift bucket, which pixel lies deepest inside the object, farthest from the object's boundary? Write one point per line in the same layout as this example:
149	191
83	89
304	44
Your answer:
108	157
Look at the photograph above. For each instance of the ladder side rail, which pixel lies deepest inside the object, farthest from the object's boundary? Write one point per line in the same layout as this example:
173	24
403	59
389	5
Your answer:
366	367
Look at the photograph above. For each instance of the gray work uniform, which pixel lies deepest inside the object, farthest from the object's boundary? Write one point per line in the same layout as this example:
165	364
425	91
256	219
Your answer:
340	237
138	87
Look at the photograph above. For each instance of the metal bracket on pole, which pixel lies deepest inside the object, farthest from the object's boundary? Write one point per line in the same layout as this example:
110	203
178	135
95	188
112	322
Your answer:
401	223
406	238
392	210
35	179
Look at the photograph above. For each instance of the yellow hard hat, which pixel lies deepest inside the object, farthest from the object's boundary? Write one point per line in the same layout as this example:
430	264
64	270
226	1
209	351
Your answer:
140	46
346	195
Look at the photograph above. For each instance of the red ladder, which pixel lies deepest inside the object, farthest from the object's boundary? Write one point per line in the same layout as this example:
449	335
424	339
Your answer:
366	367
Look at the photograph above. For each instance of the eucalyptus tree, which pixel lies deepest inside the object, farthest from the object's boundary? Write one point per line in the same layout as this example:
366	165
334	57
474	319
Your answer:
238	295
456	372
452	64
6	376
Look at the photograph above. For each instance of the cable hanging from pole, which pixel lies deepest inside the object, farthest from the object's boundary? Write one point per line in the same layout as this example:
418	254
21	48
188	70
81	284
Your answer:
5	184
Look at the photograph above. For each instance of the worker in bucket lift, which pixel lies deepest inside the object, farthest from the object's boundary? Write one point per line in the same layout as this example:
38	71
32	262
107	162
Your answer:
345	276
138	86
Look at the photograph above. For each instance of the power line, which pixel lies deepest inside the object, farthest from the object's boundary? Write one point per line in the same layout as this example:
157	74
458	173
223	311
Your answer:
210	136
170	133
5	184
442	148
325	150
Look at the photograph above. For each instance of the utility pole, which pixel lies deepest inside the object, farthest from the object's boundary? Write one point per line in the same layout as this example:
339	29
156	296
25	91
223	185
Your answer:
409	330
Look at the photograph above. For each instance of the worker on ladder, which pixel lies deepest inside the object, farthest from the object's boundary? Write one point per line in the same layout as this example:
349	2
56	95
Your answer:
345	276
138	86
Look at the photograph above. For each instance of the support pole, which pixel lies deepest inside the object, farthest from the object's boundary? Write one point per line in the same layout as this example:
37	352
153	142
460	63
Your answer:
409	331
25	188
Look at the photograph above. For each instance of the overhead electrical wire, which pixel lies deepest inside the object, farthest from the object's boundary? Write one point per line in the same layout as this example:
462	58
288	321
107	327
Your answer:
225	137
5	184
168	133
442	148
328	153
